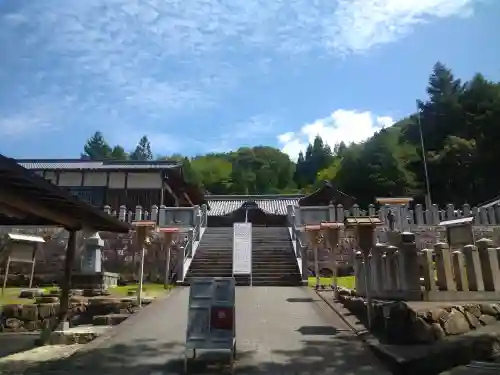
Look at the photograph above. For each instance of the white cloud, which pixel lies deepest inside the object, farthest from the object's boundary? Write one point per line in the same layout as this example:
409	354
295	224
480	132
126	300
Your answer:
342	125
35	118
153	57
358	25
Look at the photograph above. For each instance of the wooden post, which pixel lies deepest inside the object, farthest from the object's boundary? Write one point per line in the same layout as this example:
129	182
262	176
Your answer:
143	228
5	277
32	273
141	238
167	247
35	250
66	282
331	234
168	236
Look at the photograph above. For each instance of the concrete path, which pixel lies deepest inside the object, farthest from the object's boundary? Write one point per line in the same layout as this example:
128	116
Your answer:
280	330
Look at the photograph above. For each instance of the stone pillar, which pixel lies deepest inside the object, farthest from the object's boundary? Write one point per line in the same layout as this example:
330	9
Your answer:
359	275
483	215
392	268
450	212
162	215
497	213
305	262
473	268
154	213
384	272
429	270
492	216
459	272
122	213
444	268
298	217
428	216
489	264
340	213
91	262
434	214
189	243
466	210
419	215
410	272
197	223
377	271
138	213
332	213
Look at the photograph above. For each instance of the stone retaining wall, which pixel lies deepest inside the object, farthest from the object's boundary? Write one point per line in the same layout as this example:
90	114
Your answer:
83	310
398	323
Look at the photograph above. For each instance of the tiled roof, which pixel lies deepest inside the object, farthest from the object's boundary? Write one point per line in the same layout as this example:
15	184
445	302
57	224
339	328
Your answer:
271	204
76	164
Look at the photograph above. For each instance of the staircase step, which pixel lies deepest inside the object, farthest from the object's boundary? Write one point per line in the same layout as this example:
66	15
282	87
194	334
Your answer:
273	258
213	263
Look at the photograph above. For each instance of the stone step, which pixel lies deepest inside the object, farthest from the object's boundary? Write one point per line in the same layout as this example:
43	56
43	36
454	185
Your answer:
215	259
222	245
276	272
274	265
273	252
210	273
272	258
211	263
276	261
214	248
276	283
276	279
216	239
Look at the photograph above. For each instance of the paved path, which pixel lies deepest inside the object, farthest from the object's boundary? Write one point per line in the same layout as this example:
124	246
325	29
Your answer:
280	330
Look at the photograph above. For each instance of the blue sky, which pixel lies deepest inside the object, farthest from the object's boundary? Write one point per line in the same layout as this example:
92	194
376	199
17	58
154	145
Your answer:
212	75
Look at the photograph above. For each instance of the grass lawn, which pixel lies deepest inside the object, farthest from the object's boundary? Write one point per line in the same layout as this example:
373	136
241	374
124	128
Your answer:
150	289
344	281
11	295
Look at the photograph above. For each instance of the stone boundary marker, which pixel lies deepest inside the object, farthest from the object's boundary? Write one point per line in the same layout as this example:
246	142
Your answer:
425	359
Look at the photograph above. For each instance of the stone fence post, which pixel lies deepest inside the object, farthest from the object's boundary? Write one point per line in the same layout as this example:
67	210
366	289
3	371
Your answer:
444	267
489	264
473	268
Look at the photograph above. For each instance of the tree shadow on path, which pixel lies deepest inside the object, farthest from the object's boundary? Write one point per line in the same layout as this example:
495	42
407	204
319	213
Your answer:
342	355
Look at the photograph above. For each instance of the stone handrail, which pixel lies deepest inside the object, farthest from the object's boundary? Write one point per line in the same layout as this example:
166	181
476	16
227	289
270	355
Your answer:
192	220
404	217
298	247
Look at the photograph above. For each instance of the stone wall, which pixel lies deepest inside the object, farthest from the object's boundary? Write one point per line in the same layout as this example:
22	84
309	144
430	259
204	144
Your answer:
101	310
399	323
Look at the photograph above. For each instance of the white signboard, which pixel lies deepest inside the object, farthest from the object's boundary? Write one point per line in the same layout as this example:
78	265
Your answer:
242	248
22	251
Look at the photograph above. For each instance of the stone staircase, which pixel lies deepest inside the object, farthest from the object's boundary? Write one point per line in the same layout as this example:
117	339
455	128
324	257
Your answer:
214	255
273	261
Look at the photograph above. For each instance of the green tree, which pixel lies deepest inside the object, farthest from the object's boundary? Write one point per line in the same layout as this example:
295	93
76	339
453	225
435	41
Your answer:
96	148
215	173
118	153
142	150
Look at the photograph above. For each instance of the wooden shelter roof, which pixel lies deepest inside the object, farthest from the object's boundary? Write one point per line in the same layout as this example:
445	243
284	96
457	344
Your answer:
27	199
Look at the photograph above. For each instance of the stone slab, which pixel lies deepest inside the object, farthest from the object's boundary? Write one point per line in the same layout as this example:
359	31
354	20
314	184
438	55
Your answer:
77	335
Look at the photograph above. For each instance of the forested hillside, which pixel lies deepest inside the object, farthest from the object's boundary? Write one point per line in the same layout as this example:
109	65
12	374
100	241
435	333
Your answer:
460	122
